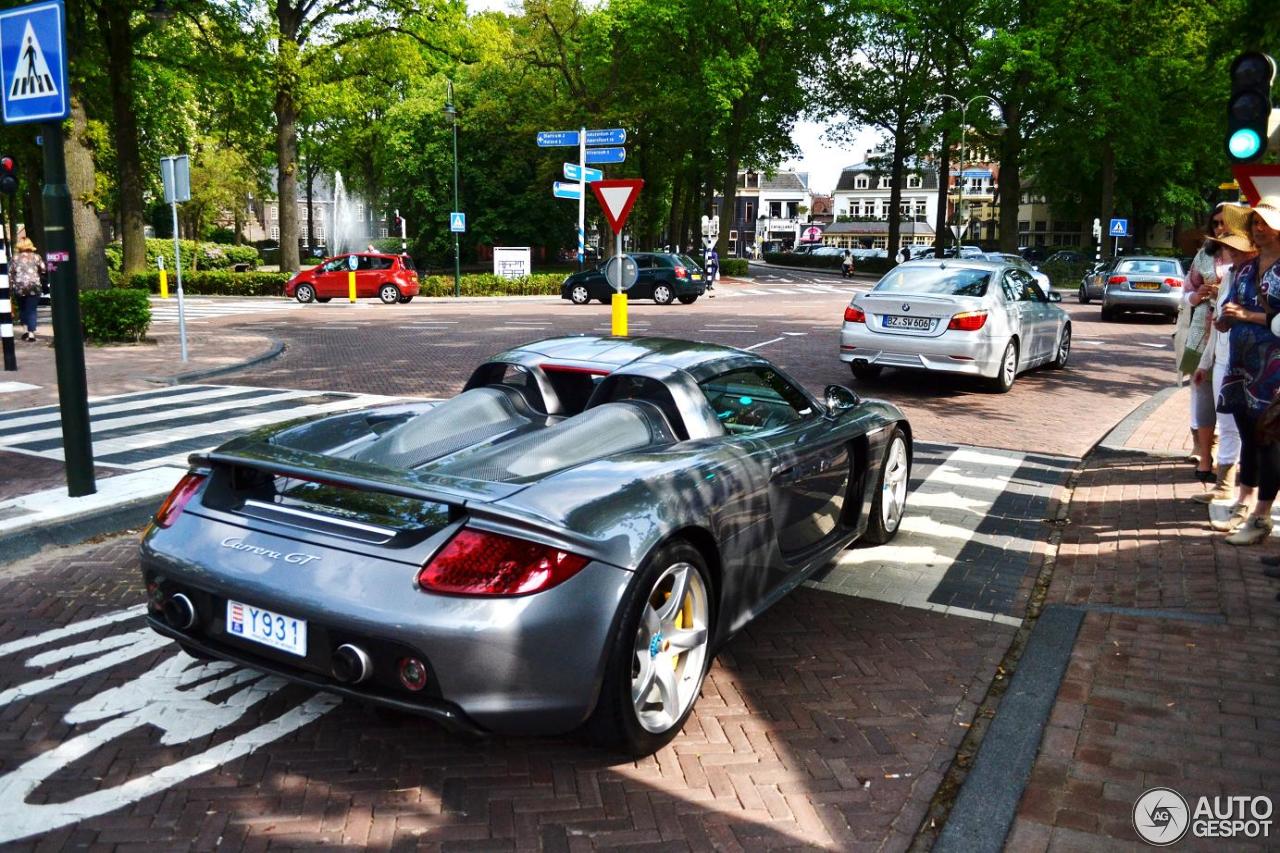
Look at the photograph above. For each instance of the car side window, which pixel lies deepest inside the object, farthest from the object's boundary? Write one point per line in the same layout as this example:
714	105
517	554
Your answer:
334	265
376	263
1012	291
754	399
644	262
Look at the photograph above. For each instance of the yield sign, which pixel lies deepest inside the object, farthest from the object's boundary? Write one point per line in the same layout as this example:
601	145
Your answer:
616	198
1257	181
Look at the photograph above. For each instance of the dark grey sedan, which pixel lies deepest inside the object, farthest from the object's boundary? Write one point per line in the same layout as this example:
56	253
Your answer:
566	543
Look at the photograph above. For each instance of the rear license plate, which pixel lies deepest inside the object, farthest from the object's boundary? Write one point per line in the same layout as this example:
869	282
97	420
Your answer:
286	633
1145	285
696	277
894	321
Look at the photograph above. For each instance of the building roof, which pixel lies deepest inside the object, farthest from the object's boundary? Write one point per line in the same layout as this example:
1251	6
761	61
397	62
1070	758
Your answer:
928	175
785	181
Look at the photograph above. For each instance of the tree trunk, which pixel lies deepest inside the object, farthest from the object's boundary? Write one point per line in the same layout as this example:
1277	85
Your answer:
311	210
91	246
113	21
896	181
1010	186
289	19
33	202
674	237
944	196
1108	195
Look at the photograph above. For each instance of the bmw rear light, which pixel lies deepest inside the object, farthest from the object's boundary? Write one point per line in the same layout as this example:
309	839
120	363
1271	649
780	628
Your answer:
1173	282
178	498
969	321
475	562
1117	279
681	272
854	314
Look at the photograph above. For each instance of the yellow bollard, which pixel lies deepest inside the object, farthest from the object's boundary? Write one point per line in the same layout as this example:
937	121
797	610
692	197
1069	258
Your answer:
164	283
620	315
351	284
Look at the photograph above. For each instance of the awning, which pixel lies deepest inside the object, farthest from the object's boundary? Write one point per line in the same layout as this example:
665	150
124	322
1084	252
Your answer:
976	173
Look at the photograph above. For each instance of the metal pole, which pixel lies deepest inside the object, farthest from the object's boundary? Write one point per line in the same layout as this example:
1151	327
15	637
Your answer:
582	193
457	260
6	312
960	222
177	268
68	344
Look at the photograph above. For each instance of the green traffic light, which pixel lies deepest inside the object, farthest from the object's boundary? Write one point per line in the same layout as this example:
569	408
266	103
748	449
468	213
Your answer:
1244	144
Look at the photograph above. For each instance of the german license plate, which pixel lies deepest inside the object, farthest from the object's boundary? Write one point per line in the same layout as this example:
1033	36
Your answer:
1145	285
286	633
894	321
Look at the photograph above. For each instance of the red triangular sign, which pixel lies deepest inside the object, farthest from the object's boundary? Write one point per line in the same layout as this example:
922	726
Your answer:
1256	181
616	198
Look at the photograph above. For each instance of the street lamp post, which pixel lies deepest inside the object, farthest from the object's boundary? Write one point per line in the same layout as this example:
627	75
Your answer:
453	119
964	127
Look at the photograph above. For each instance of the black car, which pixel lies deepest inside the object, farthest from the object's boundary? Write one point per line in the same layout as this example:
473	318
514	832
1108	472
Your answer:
664	277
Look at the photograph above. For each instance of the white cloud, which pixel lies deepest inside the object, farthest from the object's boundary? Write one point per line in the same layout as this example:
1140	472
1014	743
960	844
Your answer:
824	160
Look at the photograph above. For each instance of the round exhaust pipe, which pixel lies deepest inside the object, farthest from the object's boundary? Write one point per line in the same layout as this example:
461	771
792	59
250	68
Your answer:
179	612
351	664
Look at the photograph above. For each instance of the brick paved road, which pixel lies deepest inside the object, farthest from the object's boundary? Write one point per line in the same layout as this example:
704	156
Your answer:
429	349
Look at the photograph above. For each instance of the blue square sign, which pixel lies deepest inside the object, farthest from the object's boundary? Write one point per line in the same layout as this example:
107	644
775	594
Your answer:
33	63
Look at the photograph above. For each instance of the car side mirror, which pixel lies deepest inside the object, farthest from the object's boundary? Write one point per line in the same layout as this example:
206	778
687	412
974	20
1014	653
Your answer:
1055	296
839	398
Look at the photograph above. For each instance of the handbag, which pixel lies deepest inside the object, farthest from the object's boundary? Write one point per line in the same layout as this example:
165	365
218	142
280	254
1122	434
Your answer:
1268	429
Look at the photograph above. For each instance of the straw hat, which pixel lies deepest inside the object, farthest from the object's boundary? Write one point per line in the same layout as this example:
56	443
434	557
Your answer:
1268	210
1235	219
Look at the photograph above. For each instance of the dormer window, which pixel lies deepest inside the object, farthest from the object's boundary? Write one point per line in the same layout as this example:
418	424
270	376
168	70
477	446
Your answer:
913	182
884	183
860	182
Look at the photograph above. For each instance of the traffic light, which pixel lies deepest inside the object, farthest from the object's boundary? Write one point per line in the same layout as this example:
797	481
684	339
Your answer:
1249	110
8	177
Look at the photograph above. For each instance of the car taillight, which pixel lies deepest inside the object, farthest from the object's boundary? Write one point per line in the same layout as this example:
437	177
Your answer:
475	562
969	321
1173	282
1117	279
854	314
178	498
681	272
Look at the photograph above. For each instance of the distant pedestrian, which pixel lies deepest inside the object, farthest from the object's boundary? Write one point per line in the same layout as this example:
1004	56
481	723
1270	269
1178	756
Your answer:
904	254
24	273
846	264
371	249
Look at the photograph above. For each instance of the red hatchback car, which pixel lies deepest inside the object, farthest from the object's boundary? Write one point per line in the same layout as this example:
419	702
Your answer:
391	278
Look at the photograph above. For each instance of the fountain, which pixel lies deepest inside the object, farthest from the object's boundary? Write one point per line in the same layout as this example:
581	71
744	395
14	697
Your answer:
345	229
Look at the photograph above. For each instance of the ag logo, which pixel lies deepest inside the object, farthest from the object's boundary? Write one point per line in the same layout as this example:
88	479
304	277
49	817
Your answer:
1161	816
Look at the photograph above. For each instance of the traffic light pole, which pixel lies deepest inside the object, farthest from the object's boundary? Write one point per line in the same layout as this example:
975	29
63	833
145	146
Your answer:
68	345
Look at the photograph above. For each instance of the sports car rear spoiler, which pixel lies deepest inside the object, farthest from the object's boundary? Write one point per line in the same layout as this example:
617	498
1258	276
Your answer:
303	464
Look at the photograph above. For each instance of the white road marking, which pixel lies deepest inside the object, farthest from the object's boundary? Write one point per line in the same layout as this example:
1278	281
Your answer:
764	344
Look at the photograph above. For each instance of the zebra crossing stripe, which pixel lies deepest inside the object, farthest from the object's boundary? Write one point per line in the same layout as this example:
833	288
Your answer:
102	414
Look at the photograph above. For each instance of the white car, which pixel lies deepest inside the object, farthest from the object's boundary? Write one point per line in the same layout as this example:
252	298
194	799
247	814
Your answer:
973	317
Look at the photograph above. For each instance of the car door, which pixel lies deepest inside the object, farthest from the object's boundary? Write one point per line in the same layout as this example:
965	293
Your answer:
331	280
807	462
1038	322
649	272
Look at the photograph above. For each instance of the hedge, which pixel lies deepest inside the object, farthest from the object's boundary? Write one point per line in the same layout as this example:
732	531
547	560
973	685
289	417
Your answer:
492	285
200	256
114	315
211	283
736	267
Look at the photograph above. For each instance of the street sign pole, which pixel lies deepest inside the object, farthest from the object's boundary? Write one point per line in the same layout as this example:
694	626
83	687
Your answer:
6	313
68	346
582	195
176	176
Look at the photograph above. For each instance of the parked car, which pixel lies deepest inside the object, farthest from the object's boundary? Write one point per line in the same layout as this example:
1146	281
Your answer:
663	277
1137	283
567	541
1032	254
1093	283
975	317
391	278
1068	256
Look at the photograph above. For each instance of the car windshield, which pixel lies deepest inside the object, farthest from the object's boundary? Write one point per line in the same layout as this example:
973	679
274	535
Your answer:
1149	266
934	280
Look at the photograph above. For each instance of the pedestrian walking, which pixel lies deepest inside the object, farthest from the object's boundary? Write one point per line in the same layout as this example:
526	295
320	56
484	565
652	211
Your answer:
25	269
1253	376
903	254
846	264
1234	246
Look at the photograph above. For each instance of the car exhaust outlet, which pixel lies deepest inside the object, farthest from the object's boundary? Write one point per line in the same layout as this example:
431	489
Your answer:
351	664
179	612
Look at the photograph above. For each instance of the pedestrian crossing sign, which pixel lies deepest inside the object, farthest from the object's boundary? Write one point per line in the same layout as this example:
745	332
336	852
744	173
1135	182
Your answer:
33	63
1119	228
457	222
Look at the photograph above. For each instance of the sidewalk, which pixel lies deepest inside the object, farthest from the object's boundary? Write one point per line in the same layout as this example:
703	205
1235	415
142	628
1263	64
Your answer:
35	510
1168	662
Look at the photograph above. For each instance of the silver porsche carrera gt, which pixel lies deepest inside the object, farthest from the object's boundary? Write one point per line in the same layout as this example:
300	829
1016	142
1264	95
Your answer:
564	544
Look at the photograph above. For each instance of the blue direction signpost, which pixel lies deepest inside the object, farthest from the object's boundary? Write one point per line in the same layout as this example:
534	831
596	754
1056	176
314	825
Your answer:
557	138
33	80
613	137
606	155
574	172
560	189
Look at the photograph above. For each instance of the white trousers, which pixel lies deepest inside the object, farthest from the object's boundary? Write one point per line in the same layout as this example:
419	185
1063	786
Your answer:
1228	434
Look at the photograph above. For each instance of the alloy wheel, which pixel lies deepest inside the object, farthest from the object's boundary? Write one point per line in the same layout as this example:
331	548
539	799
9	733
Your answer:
671	648
893	498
